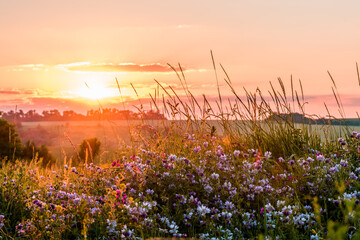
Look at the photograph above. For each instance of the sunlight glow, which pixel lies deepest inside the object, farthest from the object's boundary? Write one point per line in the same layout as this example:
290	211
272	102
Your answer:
96	90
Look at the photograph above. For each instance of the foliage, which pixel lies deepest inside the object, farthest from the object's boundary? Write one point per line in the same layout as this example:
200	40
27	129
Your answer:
10	143
89	148
70	115
31	151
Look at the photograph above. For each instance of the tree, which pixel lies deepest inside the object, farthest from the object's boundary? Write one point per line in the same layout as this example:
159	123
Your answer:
89	147
10	142
30	151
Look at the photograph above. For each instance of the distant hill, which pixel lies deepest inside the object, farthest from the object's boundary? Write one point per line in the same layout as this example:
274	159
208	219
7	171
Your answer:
300	118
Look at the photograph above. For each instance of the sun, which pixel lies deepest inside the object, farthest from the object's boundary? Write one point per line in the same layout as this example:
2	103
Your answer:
96	91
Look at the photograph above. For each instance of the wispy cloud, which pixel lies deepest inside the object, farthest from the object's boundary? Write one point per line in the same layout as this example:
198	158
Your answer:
11	92
20	91
122	67
24	67
104	67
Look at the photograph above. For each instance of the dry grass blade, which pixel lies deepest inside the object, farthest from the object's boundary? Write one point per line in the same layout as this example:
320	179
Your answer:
217	81
121	96
72	144
91	152
332	79
183	84
337	97
292	91
357	71
154	101
327	110
137	95
101	107
227	76
282	86
302	91
337	101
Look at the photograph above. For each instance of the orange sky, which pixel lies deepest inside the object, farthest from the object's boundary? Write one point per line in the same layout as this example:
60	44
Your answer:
50	48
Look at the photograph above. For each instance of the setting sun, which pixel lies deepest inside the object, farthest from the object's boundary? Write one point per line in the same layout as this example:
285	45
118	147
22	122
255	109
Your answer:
97	91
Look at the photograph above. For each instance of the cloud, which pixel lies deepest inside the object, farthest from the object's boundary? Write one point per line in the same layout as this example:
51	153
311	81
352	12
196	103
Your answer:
19	91
122	67
105	67
12	92
24	67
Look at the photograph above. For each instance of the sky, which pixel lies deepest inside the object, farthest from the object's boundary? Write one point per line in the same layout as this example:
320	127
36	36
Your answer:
66	54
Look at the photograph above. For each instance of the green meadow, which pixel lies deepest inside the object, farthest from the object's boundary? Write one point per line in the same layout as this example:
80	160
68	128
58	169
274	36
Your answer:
245	169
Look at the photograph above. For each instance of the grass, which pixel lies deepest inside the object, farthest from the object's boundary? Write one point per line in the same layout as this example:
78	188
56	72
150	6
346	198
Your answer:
228	170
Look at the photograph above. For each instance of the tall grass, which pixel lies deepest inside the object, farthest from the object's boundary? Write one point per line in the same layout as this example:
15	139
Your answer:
263	121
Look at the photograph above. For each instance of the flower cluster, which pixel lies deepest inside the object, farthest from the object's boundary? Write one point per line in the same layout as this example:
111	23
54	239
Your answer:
207	189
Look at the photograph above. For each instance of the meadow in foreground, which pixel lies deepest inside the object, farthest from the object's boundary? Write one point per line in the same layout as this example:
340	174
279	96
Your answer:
208	190
271	180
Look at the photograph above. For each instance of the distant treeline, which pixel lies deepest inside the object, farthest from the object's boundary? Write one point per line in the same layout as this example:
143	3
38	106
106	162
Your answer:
70	115
300	118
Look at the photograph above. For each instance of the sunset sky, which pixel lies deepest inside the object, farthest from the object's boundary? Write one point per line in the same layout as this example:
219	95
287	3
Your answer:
49	49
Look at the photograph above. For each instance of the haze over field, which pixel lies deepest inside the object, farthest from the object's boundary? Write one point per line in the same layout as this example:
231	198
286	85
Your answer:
50	48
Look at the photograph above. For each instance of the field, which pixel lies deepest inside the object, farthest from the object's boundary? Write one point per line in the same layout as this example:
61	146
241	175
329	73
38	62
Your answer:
242	174
61	137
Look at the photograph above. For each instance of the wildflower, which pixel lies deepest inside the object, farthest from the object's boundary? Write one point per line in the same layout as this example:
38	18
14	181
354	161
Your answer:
343	163
332	170
112	227
214	176
208	188
236	153
322	211
197	149
66	167
229	205
257	164
267	154
202	210
172	158
149	191
258	189
314	237
301	219
261	211
77	201
309	160
269	207
353	176
127	233
286	211
2	220
307	207
292	162
320	158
